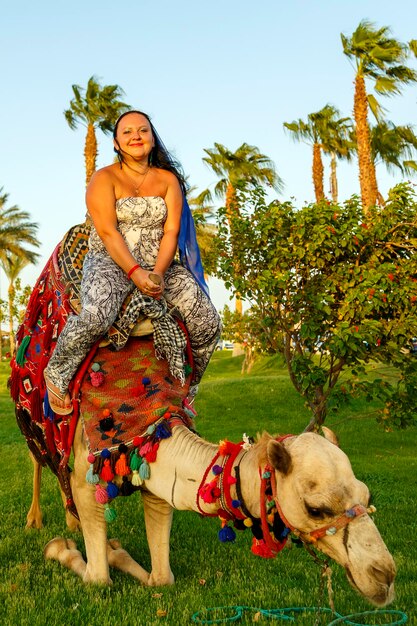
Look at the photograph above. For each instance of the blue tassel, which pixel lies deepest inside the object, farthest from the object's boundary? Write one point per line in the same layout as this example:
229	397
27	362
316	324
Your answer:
226	534
144	471
163	431
112	490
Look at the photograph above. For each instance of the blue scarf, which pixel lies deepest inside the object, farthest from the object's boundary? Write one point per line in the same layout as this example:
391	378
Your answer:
188	247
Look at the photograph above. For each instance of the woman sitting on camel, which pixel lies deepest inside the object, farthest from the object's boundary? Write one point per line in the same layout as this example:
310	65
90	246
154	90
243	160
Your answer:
136	208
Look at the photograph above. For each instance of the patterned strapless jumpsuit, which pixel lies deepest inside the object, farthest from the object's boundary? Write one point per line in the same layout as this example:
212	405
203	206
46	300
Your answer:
104	287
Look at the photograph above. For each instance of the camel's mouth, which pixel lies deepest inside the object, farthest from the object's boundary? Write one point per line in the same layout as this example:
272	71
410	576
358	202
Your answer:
384	596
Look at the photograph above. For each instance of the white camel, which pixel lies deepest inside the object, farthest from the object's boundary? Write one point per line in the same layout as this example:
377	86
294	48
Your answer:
317	495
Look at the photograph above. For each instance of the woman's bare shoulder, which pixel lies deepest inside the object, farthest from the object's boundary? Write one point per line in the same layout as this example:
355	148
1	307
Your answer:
104	177
166	177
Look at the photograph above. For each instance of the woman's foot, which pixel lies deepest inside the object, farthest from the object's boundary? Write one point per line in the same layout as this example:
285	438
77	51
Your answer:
59	402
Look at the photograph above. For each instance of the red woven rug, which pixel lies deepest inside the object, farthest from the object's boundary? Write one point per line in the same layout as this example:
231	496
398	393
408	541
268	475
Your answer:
124	392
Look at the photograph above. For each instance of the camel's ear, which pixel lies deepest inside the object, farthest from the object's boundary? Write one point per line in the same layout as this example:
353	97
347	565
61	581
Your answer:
279	457
330	436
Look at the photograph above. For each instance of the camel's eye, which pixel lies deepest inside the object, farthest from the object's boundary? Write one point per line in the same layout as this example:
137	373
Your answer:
318	513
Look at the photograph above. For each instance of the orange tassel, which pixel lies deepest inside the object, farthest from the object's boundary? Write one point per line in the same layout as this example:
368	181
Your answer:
121	467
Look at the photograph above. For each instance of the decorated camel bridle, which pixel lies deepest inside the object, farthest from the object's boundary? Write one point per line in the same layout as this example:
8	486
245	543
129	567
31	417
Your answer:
272	530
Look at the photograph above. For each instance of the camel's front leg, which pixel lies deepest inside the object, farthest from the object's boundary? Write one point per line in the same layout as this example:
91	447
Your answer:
91	514
158	520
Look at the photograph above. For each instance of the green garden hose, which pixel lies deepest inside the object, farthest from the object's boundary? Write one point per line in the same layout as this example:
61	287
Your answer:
285	615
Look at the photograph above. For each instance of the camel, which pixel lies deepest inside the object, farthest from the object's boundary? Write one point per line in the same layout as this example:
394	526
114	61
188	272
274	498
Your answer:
315	487
306	480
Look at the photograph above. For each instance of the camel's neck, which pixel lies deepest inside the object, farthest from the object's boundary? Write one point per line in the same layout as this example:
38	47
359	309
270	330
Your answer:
182	462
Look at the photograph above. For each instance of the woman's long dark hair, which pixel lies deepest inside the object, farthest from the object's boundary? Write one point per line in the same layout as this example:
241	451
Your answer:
159	155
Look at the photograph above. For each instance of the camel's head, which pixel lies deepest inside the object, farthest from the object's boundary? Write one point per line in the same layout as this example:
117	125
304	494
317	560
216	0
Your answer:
315	487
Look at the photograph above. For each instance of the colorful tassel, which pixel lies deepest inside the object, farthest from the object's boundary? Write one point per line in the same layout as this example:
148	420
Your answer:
226	534
106	472
163	431
121	467
126	488
97	379
112	490
209	492
21	351
144	470
135	461
109	514
260	548
101	495
152	454
136	479
91	477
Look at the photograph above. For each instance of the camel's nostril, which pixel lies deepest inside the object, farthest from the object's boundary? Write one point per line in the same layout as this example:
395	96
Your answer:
384	576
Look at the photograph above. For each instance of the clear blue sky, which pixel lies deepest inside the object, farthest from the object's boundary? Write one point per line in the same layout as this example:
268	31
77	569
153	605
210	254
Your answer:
223	71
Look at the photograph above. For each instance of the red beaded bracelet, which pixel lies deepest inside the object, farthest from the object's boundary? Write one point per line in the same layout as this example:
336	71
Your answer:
133	269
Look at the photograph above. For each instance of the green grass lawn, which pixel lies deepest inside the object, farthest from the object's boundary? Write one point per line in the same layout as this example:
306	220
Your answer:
208	573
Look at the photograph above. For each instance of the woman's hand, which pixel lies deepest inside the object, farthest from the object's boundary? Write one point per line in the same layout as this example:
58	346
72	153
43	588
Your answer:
143	281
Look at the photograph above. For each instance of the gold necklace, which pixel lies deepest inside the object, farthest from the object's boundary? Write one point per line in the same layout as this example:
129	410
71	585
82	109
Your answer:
136	187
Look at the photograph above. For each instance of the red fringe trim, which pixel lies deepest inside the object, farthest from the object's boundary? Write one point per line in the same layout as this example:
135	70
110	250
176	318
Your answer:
14	384
36	405
34	315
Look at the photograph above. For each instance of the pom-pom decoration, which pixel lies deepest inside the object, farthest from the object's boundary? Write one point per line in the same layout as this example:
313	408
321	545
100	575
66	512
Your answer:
109	514
106	471
136	479
112	490
101	495
144	471
226	534
91	477
97	379
121	467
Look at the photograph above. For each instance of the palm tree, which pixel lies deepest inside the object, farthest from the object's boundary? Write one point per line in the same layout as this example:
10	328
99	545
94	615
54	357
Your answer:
245	165
97	107
309	132
15	232
381	58
337	141
394	146
324	131
12	265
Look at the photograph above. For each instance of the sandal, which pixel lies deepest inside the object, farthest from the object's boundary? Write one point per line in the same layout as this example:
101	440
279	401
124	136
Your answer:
59	410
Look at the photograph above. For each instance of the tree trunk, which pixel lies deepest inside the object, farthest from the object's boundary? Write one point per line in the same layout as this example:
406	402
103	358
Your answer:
333	178
232	209
90	153
11	292
318	172
367	177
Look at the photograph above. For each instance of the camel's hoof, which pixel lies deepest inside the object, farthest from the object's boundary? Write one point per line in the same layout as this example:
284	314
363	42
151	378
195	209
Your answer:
34	522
